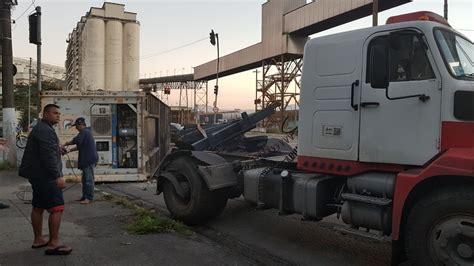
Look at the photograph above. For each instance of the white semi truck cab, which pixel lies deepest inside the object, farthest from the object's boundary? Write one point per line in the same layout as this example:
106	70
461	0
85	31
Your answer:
385	140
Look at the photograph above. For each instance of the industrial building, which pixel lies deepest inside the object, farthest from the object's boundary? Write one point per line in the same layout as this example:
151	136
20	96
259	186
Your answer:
103	51
48	72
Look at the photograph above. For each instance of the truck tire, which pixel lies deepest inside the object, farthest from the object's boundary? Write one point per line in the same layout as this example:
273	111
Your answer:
440	228
200	204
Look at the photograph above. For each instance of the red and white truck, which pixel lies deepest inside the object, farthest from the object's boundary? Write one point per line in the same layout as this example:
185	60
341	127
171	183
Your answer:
385	140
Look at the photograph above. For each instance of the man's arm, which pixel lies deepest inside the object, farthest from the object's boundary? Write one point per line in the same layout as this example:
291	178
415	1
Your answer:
75	141
73	149
49	152
78	139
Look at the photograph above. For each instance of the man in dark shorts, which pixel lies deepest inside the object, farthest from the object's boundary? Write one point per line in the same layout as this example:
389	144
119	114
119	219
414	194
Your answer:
41	164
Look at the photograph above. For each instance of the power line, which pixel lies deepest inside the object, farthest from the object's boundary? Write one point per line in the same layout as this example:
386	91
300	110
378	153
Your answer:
18	18
174	49
32	4
465	29
151	55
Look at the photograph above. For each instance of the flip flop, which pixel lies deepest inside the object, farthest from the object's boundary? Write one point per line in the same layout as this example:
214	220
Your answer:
59	250
40	246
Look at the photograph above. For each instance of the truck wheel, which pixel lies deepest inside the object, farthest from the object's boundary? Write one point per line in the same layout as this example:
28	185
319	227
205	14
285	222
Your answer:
440	228
200	204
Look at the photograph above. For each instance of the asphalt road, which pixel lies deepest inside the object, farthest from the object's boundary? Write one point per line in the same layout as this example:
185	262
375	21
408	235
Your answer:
264	237
97	233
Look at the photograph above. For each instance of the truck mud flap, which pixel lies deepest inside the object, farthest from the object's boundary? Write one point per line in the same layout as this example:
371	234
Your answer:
214	169
218	176
218	173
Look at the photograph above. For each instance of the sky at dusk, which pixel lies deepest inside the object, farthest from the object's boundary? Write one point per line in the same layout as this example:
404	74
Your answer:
166	25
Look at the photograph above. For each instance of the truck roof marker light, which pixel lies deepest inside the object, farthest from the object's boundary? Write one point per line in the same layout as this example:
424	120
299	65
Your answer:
418	16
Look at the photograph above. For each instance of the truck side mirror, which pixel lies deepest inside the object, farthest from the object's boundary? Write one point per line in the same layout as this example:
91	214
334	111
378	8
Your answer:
379	64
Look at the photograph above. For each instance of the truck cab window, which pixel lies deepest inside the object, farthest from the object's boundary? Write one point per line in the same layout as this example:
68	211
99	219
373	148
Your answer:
458	53
408	59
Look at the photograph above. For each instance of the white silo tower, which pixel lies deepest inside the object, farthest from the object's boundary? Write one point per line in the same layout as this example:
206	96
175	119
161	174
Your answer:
113	55
103	53
92	55
131	54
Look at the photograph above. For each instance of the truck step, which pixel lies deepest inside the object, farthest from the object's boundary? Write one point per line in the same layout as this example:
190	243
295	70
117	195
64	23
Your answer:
358	232
366	199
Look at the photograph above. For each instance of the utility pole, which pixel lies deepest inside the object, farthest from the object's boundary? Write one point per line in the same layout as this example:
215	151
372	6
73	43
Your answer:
29	95
256	87
214	38
34	21
375	13
38	52
446	9
8	105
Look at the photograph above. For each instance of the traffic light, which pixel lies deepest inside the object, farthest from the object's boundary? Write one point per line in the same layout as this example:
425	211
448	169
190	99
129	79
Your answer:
216	89
35	27
212	37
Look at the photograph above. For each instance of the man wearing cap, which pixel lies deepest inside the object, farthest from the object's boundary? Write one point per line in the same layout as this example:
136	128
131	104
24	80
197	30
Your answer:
88	158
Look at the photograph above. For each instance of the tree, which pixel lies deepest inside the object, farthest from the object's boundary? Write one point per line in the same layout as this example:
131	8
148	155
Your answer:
21	100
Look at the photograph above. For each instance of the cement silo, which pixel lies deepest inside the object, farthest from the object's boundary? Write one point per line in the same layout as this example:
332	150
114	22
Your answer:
131	54
93	54
103	50
113	55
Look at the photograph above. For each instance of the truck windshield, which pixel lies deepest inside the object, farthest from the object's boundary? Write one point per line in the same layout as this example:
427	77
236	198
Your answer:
458	53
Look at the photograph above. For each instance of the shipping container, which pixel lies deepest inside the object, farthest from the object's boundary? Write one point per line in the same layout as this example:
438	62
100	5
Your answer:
131	131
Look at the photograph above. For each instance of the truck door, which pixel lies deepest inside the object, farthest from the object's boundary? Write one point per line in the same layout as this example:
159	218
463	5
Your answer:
397	126
329	124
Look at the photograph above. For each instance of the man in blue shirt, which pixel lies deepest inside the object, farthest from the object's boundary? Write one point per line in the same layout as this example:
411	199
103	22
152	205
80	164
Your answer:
88	158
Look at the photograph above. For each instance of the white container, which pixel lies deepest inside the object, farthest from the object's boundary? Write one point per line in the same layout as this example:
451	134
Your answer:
131	130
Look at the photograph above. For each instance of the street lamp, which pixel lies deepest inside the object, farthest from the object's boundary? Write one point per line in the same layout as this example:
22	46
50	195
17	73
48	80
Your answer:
214	38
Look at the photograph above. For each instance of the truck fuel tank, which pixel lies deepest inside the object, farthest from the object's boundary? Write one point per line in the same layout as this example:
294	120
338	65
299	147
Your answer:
309	194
